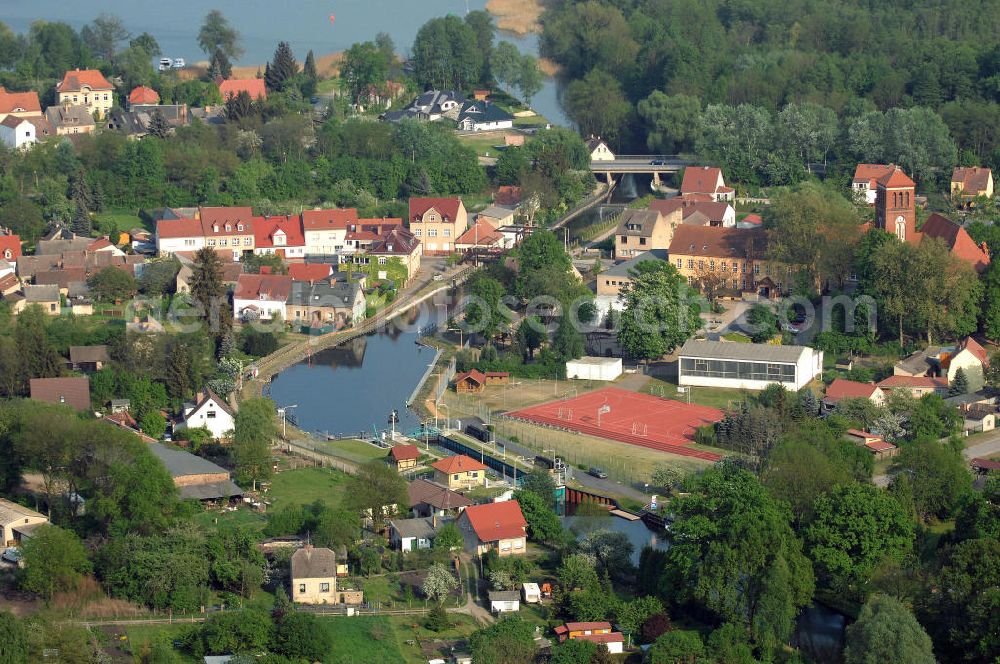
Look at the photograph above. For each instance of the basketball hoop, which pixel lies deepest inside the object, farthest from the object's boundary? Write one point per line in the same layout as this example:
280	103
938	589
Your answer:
606	408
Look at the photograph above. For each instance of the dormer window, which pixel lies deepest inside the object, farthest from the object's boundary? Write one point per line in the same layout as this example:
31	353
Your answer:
228	227
239	227
215	228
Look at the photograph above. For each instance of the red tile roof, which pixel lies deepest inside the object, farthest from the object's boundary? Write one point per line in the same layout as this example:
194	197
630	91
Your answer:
474	375
755	219
143	95
273	287
974	179
396	242
177	228
849	389
496	521
335	219
457	464
958	241
880	445
715	211
265	228
985	464
861	434
701	180
447	207
613	637
12	244
19	102
507	195
252	86
72	390
585	626
99	243
912	382
973	347
480	234
870	173
309	271
74	81
405	452
895	178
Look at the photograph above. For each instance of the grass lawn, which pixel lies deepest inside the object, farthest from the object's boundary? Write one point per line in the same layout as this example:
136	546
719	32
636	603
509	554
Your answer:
374	636
715	397
243	517
142	636
483	144
305	485
427	644
123	220
531	121
354	450
327	85
737	337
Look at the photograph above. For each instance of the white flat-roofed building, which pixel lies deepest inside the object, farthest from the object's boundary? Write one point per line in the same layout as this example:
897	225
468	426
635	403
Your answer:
594	368
747	366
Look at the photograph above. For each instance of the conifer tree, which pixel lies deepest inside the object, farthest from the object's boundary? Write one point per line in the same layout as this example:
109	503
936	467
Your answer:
158	126
960	385
281	68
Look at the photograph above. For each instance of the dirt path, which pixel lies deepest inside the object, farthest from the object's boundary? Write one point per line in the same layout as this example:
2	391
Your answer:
472	606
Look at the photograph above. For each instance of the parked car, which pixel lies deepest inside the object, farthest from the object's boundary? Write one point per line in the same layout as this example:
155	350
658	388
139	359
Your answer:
658	162
598	473
12	554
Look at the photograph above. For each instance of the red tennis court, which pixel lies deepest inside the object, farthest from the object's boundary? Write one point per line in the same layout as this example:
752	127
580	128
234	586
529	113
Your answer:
628	417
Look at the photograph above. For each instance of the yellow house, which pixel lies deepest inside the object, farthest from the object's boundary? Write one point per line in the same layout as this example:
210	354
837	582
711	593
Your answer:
640	231
499	527
87	88
437	223
314	576
971	182
18	522
459	472
728	261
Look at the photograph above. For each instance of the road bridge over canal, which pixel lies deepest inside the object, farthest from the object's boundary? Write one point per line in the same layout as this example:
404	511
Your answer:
623	164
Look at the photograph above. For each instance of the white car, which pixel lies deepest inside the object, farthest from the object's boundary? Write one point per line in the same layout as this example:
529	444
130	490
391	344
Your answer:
179	63
12	554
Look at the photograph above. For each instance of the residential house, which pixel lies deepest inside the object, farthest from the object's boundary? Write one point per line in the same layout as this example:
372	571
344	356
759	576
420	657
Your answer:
437	223
365	233
261	296
841	389
47	297
18	522
231	271
88	358
314	575
70	390
404	457
323	306
504	601
497	216
729	260
969	183
16	132
863	184
195	477
325	231
279	235
697	213
431	106
399	244
412	534
88	89
496	527
228	229
575	630
640	231
915	386
429	499
599	150
611	281
211	412
10	247
706	181
531	593
252	86
747	366
19	104
142	95
476	381
483	116
9	284
68	120
459	472
971	358
751	220
978	417
482	235
174	235
880	448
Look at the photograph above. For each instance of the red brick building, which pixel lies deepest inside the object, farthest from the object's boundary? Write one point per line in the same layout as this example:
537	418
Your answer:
895	205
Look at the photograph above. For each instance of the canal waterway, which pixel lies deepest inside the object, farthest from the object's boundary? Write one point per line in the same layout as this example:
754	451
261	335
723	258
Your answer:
353	388
304	24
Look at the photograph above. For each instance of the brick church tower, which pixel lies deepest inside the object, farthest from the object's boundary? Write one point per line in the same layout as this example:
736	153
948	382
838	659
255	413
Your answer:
895	208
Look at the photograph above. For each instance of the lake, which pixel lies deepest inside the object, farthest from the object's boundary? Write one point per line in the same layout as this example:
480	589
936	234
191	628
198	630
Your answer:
353	388
638	534
305	25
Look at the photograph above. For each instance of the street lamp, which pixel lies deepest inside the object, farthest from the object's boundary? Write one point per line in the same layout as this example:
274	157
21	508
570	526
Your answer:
281	412
461	338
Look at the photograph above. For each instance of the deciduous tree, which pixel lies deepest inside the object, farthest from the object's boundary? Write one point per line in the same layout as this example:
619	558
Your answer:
254	431
886	631
659	313
54	559
217	34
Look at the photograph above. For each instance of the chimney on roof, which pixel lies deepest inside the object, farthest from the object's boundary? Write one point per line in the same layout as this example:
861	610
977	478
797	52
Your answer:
199	397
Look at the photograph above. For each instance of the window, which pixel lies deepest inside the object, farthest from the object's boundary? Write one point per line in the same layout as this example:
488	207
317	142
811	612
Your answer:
229	227
247	241
446	232
624	239
324	587
211	242
679	262
239	227
701	265
223	242
302	587
735	286
210	414
474	474
711	266
736	267
724	266
456	477
416	232
690	263
432	232
642	240
382	260
756	269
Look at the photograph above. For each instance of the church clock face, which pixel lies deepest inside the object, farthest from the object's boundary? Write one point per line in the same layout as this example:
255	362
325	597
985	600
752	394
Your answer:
901	228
